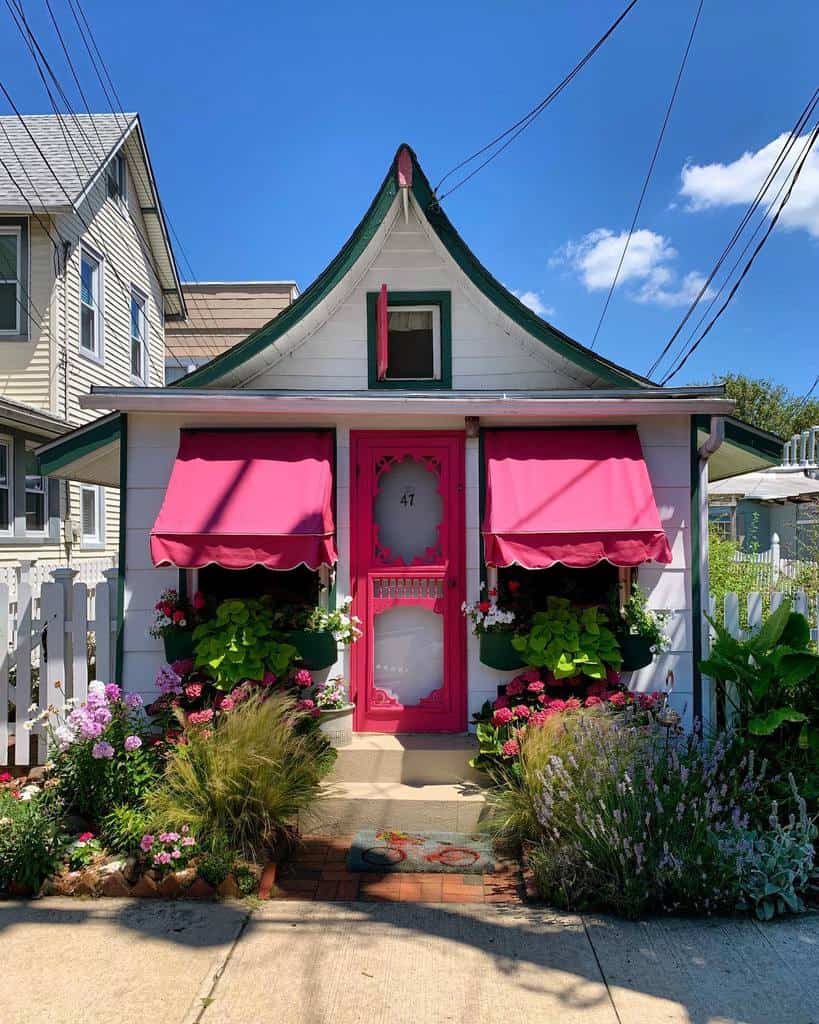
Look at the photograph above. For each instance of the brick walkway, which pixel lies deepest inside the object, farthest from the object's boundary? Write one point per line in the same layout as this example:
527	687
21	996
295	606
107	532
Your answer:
317	872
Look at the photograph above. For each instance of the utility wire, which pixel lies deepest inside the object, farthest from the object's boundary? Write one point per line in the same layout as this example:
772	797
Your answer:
515	130
692	349
649	172
746	217
104	76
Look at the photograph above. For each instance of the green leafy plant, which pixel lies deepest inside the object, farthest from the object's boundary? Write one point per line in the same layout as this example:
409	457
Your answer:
29	842
770	680
80	852
247	879
569	641
240	643
639	620
216	862
123	828
248	780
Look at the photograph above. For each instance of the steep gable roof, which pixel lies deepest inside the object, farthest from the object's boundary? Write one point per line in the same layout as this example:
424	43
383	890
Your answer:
480	277
50	163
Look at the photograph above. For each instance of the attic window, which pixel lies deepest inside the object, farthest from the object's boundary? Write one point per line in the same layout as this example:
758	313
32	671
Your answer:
418	341
413	343
118	178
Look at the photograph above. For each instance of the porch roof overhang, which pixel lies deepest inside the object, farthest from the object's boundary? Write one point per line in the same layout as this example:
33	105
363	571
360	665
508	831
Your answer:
33	422
745	449
495	405
89	454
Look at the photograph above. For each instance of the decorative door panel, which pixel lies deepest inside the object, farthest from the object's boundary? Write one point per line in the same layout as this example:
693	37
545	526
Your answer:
407	558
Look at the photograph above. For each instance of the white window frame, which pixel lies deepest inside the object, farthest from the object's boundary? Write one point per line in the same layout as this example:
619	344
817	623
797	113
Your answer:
17	231
436	338
96	354
8	444
138	296
44	490
120	176
89	542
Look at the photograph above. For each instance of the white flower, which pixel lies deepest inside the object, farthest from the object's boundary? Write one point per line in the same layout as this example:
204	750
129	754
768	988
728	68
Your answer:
33	708
96	687
28	726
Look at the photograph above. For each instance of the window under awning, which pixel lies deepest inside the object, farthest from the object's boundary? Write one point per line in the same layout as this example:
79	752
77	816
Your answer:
248	497
575	497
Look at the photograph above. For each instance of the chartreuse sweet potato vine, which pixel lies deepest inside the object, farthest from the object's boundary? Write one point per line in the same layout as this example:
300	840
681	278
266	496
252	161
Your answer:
569	641
239	643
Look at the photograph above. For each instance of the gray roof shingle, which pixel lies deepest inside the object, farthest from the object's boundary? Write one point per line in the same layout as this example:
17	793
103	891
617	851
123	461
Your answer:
75	146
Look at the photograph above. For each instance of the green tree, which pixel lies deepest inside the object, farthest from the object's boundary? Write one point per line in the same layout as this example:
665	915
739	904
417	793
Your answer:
770	406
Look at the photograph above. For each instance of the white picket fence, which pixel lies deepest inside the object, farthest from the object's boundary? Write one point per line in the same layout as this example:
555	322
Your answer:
757	608
45	629
774	568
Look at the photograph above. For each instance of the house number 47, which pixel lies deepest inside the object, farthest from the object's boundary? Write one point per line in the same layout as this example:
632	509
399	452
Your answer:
408	499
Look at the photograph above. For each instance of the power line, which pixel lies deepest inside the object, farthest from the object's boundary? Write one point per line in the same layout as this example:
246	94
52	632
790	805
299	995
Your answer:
649	172
692	349
795	132
515	130
103	75
804	400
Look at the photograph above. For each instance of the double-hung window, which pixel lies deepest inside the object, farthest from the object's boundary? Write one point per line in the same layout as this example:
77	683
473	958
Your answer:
11	275
118	178
90	304
139	336
6	478
92	505
418	341
36	497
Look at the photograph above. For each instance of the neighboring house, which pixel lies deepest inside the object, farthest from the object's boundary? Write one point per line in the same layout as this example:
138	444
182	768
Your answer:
773	508
220	314
408	428
87	282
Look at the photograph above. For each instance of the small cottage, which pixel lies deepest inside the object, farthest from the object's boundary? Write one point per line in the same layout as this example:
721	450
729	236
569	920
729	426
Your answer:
409	433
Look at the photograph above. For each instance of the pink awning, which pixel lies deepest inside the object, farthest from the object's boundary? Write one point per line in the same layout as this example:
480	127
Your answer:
577	497
248	497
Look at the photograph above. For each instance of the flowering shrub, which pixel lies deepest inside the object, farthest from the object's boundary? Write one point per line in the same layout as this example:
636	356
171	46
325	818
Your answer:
635	823
168	851
529	701
101	754
29	841
174	612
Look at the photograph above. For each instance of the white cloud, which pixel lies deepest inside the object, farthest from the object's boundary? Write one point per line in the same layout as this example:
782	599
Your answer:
595	258
705	186
535	302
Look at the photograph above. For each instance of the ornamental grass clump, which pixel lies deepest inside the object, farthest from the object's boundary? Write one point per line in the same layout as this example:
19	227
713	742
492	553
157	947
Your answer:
247	778
632	821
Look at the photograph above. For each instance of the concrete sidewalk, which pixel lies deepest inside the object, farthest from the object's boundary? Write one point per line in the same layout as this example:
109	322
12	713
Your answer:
128	961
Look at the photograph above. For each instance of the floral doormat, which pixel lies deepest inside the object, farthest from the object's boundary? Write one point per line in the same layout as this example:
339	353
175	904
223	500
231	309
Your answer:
421	852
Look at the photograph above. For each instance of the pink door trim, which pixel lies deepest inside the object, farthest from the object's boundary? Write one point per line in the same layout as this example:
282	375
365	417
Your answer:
438	583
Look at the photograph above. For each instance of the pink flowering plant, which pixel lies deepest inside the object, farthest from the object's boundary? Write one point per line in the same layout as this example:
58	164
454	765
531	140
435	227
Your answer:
101	751
174	612
82	850
327	695
166	850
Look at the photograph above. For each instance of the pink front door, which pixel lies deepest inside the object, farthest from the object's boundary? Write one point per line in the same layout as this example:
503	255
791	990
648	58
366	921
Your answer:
407	573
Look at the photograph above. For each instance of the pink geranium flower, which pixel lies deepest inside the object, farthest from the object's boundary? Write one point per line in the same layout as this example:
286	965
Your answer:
536	686
515	687
83	837
591	701
303	678
521	711
200	717
557	705
572	704
618	699
503	716
511	748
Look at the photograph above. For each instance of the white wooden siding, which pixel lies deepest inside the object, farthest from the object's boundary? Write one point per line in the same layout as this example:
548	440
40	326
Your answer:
152	446
328	350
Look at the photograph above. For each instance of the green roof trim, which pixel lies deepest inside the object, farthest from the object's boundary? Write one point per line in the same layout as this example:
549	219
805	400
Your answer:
355	245
757	442
80	443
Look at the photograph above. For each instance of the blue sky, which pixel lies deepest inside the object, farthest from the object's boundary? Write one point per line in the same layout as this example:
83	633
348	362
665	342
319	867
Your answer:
271	126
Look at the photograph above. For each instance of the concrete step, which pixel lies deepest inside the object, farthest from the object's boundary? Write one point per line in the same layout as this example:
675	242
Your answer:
346	807
411	758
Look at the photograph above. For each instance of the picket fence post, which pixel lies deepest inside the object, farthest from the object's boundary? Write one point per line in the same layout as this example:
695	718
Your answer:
4	673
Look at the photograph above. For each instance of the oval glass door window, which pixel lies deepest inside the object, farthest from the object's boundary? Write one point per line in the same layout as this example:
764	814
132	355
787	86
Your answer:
408	510
409	653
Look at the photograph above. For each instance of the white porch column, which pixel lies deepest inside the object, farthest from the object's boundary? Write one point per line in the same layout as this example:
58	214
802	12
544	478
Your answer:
343	587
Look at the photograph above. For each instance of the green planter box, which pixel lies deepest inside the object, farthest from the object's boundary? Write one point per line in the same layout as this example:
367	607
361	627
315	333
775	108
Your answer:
178	644
636	651
317	649
497	652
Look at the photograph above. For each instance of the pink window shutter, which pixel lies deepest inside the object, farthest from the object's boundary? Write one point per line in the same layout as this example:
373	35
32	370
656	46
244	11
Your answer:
381	331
